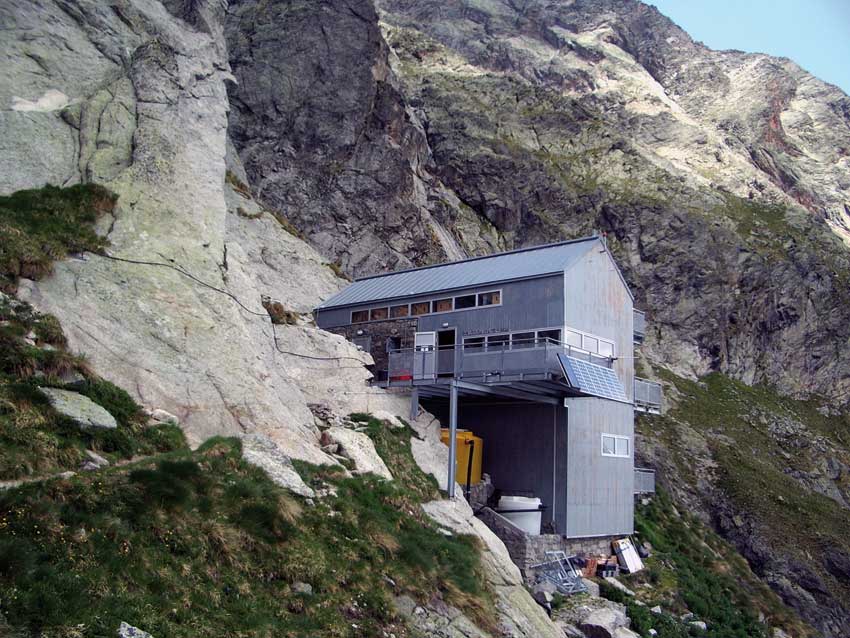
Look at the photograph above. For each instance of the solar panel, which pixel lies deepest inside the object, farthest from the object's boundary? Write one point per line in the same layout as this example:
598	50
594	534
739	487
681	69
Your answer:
592	379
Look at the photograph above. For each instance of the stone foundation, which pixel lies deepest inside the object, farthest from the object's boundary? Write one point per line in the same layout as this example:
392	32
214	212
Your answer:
527	550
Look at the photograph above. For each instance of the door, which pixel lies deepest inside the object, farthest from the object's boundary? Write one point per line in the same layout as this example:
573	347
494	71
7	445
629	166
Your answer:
424	355
446	352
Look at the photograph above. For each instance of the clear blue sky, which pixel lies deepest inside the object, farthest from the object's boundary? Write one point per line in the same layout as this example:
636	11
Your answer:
813	33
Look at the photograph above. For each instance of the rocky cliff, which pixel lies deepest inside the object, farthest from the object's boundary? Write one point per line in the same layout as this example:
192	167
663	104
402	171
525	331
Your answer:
720	177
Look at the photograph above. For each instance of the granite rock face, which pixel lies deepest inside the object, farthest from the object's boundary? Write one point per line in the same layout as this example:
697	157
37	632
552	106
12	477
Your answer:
133	95
718	176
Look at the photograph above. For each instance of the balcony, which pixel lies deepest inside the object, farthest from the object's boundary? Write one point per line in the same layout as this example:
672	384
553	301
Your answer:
527	360
639	328
647	396
644	481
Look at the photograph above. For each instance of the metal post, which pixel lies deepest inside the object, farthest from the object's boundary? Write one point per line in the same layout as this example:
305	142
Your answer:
414	404
452	438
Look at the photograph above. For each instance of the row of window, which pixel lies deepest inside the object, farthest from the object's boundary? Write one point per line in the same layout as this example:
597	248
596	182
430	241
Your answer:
589	342
514	341
613	445
449	304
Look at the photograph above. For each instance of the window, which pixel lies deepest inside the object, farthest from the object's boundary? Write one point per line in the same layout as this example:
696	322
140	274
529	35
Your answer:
359	316
552	335
466	301
616	446
442	305
473	343
606	349
399	311
522	340
421	308
497	341
376	314
590	343
490	298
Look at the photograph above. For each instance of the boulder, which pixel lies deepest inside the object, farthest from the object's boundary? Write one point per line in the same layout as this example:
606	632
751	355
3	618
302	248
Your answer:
260	450
302	588
656	610
128	631
698	624
603	623
592	587
93	461
358	448
161	416
80	409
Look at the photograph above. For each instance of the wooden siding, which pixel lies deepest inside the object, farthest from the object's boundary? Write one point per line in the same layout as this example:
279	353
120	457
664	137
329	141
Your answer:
599	488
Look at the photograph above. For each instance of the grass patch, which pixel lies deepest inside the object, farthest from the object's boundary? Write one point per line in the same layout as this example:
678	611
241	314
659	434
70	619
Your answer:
40	226
34	439
202	543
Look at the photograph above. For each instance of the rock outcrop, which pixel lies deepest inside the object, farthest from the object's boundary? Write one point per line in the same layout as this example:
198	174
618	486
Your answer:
133	96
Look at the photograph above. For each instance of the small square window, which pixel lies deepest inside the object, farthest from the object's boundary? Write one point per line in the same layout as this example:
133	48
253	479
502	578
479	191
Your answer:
490	298
467	301
376	314
522	340
591	344
574	338
359	316
613	445
606	348
399	311
421	308
442	305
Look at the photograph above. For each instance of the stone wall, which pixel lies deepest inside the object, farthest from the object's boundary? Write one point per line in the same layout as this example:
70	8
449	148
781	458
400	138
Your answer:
527	550
379	332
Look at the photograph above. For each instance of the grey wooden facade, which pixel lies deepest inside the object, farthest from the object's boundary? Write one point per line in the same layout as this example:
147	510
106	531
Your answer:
549	443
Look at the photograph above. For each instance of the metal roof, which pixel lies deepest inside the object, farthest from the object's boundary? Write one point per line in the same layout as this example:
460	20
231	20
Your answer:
517	264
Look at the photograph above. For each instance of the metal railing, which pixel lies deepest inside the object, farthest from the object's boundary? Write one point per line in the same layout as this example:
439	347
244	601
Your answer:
517	358
647	396
644	480
639	323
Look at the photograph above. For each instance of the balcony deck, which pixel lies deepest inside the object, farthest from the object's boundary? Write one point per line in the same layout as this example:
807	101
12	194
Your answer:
529	368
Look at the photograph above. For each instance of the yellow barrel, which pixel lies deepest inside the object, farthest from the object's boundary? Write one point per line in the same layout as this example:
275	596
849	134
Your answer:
464	439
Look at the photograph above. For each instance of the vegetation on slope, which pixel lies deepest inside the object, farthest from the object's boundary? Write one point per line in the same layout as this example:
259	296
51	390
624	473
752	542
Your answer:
34	438
204	544
39	226
692	570
777	465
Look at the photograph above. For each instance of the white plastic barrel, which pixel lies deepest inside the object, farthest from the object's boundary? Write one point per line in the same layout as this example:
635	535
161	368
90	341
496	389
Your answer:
529	522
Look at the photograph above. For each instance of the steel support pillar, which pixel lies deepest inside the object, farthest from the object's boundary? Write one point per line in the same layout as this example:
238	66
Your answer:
452	438
414	404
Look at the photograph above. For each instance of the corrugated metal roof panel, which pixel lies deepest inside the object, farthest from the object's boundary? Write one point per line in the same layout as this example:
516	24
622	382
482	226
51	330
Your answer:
517	264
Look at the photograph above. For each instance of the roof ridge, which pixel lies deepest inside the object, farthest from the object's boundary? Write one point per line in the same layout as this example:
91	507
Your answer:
480	257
